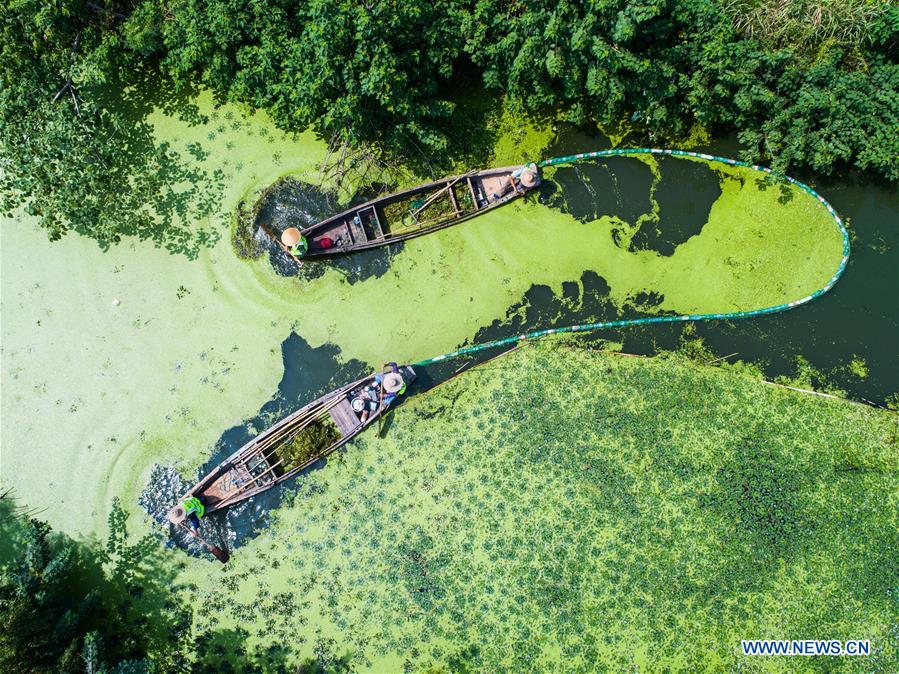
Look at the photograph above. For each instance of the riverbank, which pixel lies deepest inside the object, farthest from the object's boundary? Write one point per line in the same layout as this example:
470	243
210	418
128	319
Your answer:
562	509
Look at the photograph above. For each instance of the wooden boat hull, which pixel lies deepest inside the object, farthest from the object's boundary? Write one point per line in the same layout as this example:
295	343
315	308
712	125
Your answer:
447	202
252	468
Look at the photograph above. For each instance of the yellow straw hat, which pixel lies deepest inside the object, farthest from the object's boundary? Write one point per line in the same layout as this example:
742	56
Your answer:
528	178
290	236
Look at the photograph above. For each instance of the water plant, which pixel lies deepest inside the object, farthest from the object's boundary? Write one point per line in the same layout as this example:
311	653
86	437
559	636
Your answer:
308	442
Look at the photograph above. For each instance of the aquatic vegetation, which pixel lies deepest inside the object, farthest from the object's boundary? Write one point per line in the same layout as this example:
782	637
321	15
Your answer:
308	443
754	248
579	510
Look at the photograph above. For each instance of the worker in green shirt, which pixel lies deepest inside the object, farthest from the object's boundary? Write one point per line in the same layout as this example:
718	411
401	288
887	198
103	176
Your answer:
193	511
294	241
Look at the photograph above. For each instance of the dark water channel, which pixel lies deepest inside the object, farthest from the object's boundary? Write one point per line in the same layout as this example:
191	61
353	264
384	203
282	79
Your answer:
859	318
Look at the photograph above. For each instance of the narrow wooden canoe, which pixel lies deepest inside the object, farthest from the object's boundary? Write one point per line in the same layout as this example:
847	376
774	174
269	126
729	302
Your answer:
416	211
264	462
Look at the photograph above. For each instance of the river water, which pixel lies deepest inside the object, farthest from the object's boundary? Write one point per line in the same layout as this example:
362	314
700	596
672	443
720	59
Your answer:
121	363
129	372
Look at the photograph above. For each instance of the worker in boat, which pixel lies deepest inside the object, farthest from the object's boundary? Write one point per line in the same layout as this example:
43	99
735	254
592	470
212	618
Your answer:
366	403
526	176
193	511
393	384
370	400
294	241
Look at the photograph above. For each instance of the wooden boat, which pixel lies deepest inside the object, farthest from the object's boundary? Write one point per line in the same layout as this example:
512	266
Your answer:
415	211
265	461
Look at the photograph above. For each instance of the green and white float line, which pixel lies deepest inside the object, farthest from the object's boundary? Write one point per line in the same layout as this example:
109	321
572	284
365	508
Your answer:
589	327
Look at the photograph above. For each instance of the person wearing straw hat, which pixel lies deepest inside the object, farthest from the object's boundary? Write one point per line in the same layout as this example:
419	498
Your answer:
190	510
366	403
393	384
526	175
294	242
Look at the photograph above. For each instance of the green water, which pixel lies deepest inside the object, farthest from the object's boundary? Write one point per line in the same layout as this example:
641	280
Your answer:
116	362
96	392
559	510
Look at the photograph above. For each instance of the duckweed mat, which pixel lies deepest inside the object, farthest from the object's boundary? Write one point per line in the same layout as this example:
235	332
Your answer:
97	390
702	274
565	510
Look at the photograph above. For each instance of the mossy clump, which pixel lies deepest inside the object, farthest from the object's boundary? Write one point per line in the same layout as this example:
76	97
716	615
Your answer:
463	197
309	443
399	213
247	245
396	211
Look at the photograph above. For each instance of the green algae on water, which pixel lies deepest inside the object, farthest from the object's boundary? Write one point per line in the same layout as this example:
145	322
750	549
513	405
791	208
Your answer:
114	362
579	511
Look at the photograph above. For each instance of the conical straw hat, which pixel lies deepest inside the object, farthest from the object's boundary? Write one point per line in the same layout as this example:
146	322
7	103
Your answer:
392	382
528	178
177	515
290	236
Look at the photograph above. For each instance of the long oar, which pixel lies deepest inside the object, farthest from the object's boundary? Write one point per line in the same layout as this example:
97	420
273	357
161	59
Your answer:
219	554
381	401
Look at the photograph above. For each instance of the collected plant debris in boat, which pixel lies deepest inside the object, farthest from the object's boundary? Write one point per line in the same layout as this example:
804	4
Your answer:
309	442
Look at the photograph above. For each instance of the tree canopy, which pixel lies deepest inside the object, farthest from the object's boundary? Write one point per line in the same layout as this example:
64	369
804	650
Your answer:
815	85
70	606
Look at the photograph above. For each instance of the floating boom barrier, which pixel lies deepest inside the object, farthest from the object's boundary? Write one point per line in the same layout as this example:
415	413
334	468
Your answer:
591	327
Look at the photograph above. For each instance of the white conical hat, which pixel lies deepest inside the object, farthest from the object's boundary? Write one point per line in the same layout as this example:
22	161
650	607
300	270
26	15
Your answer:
393	382
290	236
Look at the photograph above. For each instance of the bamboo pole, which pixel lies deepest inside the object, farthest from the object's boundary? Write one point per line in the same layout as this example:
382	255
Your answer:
381	400
272	445
219	554
295	426
437	194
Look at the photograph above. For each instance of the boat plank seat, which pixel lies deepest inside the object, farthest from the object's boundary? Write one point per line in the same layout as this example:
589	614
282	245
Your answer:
495	187
371	213
344	416
226	485
474	195
452	197
356	230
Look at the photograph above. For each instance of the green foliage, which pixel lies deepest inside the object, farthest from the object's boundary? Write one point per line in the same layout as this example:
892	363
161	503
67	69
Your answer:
667	65
75	148
808	23
803	84
309	443
42	617
355	72
77	607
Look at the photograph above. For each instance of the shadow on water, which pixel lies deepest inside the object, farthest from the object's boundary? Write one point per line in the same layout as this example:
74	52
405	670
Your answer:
857	319
146	178
309	372
293	203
